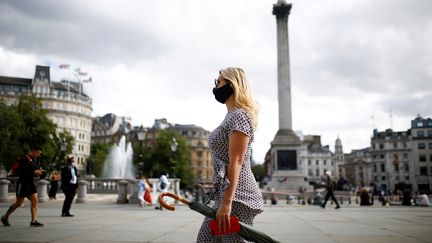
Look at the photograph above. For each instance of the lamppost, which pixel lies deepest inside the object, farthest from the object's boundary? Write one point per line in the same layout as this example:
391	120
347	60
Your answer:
174	145
141	137
63	147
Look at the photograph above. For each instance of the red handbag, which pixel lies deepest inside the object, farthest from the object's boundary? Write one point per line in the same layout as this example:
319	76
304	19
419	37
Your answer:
235	226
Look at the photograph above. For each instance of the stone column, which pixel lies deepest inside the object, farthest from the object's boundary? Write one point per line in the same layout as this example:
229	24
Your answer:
82	192
133	198
281	10
122	192
4	186
42	190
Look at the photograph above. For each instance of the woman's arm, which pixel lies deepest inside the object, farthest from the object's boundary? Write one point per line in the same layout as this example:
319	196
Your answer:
238	144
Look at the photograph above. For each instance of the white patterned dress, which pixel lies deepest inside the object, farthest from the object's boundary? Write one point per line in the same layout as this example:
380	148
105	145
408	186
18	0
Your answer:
248	201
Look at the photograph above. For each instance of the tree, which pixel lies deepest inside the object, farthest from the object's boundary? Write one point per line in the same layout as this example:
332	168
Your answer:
53	148
163	160
23	125
99	153
11	128
258	171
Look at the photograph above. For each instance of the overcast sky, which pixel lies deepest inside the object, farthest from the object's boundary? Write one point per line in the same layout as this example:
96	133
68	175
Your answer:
354	64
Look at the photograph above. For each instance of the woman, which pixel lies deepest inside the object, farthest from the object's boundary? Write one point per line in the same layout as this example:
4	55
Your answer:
54	179
141	190
148	190
235	190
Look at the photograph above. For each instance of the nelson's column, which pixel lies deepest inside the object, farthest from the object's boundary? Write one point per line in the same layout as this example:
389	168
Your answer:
285	147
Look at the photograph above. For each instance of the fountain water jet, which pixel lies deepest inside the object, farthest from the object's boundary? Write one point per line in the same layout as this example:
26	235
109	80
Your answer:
119	162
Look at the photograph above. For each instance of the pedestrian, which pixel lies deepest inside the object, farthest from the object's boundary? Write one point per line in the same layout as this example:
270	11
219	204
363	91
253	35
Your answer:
162	186
54	179
147	194
330	191
141	190
235	191
27	169
69	185
422	199
365	199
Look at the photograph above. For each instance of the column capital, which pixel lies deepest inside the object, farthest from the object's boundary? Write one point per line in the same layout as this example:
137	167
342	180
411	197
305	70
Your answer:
281	9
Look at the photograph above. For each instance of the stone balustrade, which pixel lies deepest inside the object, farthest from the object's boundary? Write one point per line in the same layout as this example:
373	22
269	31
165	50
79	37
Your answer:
125	188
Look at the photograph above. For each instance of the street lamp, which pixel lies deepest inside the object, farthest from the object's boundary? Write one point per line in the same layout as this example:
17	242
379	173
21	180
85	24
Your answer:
63	147
141	137
174	146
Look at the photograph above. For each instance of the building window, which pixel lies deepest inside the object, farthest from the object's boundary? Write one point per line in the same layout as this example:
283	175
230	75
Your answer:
382	167
429	123
383	178
309	162
421	146
405	155
376	178
430	145
325	163
422	158
429	133
420	134
381	146
381	156
396	167
317	172
419	124
423	171
406	167
317	162
395	145
405	145
310	173
375	168
407	178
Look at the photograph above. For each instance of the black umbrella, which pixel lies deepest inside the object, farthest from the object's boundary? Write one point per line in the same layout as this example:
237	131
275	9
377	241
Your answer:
246	231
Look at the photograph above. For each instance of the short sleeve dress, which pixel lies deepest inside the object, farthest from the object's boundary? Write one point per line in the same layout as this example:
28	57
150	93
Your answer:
248	201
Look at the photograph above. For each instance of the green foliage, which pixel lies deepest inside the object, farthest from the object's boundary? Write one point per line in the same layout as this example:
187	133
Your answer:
163	160
52	157
99	153
258	171
24	125
11	128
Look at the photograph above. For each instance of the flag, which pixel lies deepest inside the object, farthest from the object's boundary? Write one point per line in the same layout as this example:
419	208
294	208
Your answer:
64	66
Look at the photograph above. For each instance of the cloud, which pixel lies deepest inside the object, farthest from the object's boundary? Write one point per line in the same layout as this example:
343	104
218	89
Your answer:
350	60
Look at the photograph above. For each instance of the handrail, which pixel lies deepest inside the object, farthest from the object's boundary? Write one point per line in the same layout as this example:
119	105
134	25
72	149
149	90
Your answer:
172	195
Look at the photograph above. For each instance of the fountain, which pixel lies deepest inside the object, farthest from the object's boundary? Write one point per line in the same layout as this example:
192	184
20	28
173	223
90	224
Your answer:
119	162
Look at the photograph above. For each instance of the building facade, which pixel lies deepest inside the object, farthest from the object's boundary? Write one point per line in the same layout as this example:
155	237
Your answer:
339	158
357	169
200	159
421	134
67	105
109	128
392	161
315	159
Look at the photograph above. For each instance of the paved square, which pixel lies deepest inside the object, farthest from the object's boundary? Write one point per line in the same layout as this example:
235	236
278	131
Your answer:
102	220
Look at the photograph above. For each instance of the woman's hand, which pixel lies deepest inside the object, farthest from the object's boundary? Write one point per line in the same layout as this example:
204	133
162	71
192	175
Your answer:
223	217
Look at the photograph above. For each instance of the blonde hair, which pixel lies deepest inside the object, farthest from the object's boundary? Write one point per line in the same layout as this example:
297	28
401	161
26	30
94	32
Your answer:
242	92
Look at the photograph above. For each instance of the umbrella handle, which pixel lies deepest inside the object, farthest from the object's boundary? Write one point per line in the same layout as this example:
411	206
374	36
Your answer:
172	195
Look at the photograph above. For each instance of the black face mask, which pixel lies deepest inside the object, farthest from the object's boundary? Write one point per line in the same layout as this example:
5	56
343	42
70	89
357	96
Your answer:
223	93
